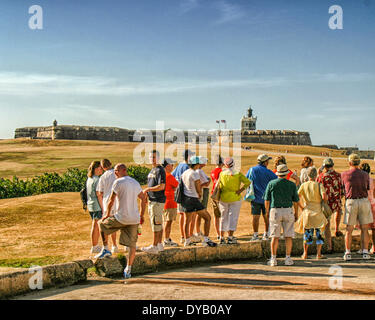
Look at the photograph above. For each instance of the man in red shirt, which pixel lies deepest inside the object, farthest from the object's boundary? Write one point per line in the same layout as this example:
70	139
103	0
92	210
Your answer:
332	183
170	207
357	206
215	173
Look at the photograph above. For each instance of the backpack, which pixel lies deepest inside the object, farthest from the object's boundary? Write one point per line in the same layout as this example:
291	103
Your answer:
179	195
83	194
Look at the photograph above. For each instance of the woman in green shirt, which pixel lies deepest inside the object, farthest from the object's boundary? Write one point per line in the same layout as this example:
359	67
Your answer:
93	206
230	199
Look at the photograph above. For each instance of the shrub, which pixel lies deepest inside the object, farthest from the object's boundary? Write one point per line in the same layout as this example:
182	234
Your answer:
70	181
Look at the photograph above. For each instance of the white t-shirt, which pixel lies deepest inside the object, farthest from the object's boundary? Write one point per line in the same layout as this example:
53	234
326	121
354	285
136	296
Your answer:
105	185
127	190
188	178
202	176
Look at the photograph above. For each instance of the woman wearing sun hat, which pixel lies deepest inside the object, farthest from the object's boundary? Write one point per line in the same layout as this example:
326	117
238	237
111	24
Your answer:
230	182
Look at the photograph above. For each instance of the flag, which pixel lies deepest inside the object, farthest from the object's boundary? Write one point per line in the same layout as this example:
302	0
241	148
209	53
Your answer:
223	121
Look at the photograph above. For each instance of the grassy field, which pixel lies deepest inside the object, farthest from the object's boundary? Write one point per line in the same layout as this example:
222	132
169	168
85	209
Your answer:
51	228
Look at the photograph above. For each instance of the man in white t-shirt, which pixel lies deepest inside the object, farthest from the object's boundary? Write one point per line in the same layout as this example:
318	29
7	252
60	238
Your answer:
192	193
103	192
126	218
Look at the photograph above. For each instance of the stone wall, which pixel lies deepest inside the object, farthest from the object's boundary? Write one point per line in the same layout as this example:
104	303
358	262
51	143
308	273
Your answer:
286	137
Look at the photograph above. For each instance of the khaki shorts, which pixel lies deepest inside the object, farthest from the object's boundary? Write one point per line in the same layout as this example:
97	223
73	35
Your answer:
155	211
215	207
281	217
170	214
128	235
357	210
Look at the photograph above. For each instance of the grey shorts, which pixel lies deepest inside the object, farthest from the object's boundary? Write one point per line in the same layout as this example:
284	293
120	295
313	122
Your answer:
281	217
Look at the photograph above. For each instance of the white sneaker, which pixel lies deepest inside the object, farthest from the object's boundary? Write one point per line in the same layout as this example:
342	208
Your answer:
272	262
188	243
347	256
170	243
289	261
96	249
160	247
114	249
366	256
265	236
151	249
255	237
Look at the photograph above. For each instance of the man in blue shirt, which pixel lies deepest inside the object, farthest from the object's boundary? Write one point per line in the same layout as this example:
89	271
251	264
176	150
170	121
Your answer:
260	176
177	173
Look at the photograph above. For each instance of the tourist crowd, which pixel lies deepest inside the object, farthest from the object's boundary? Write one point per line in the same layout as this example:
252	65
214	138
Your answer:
278	195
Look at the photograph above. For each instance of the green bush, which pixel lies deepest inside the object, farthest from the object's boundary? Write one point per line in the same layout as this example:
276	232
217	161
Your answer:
72	180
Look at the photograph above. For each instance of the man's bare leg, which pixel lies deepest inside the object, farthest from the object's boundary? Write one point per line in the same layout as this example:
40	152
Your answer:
348	238
274	246
256	223
94	232
327	234
182	225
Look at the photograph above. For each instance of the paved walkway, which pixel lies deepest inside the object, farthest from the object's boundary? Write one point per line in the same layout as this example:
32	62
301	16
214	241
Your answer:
307	279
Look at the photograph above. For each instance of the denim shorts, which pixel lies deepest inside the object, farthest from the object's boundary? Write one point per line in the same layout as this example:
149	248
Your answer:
96	215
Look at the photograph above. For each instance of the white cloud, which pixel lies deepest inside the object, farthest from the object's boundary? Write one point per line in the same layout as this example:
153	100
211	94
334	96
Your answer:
19	84
229	12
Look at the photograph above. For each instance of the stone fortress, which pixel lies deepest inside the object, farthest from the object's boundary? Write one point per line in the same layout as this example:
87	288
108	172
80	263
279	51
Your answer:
248	133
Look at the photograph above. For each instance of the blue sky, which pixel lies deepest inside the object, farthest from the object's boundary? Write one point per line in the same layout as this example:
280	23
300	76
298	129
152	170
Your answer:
191	62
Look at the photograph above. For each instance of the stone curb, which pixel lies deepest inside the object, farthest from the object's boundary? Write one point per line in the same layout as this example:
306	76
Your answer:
185	257
66	274
60	275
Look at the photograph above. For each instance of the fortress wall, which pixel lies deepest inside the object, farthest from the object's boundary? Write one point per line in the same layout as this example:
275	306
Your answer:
286	137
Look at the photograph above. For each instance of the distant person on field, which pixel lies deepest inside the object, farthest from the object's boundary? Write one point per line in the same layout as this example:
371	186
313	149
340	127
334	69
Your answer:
291	175
103	192
232	183
170	207
93	205
311	194
280	196
192	193
205	182
125	192
156	200
306	163
177	173
215	173
260	177
332	183
357	205
371	196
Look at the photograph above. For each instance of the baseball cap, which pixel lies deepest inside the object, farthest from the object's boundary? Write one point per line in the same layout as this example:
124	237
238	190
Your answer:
202	160
168	161
282	170
194	160
263	158
354	158
229	162
328	162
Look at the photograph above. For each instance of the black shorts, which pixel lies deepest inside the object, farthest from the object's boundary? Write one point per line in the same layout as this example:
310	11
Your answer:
257	208
192	204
